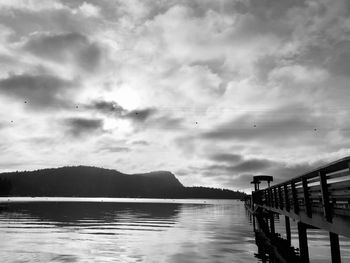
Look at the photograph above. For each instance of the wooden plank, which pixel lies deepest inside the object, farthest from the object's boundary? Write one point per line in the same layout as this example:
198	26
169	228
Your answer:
314	188
338	174
340	185
344	193
313	179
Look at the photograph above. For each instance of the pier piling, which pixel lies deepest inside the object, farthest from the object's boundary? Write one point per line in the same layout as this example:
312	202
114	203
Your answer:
303	245
288	234
335	249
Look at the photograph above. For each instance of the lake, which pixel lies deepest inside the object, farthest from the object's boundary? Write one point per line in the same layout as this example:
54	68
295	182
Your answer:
135	230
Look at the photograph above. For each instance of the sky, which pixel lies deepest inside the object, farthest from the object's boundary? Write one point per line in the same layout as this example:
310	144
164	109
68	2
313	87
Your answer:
213	91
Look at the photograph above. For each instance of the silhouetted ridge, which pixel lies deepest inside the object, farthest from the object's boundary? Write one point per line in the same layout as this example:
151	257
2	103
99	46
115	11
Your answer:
85	181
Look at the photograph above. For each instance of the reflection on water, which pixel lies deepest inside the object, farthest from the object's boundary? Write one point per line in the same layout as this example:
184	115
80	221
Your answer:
214	232
126	232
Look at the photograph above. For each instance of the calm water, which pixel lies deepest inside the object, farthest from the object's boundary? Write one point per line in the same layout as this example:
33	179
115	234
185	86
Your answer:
186	231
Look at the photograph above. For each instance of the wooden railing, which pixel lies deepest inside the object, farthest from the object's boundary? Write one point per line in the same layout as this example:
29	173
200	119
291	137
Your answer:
324	191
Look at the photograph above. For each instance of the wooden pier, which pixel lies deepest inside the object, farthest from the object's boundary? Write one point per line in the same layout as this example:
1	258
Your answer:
318	199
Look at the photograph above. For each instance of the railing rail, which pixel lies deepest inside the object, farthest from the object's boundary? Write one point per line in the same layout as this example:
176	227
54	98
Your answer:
325	191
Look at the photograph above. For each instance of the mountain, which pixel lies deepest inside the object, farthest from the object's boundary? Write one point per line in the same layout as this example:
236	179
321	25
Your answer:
85	181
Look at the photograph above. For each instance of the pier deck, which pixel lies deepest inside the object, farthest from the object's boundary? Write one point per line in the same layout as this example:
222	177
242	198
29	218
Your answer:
318	199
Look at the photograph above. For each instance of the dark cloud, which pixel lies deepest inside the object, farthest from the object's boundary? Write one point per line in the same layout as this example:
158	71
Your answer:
113	108
167	123
243	129
243	166
64	47
285	171
272	9
279	124
39	91
264	66
40	140
252	165
153	119
264	18
107	107
239	181
115	149
240	175
280	171
139	115
227	171
142	118
83	126
226	157
140	142
334	56
24	22
339	62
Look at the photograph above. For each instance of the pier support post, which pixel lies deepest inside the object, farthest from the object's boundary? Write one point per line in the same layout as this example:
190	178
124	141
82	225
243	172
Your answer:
335	249
303	246
254	227
289	238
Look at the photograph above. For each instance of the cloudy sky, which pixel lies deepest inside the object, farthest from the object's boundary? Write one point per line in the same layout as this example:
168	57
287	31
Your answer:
214	91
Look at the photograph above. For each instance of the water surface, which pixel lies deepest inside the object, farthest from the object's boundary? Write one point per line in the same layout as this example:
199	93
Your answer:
133	230
197	231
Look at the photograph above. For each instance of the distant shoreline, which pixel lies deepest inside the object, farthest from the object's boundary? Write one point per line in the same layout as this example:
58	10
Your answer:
86	181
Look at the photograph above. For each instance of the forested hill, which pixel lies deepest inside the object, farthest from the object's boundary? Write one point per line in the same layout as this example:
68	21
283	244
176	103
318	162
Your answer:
85	181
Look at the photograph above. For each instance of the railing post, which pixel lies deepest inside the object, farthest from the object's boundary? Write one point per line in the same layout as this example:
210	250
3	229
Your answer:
295	198
280	197
286	197
325	197
275	195
272	222
306	197
335	249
